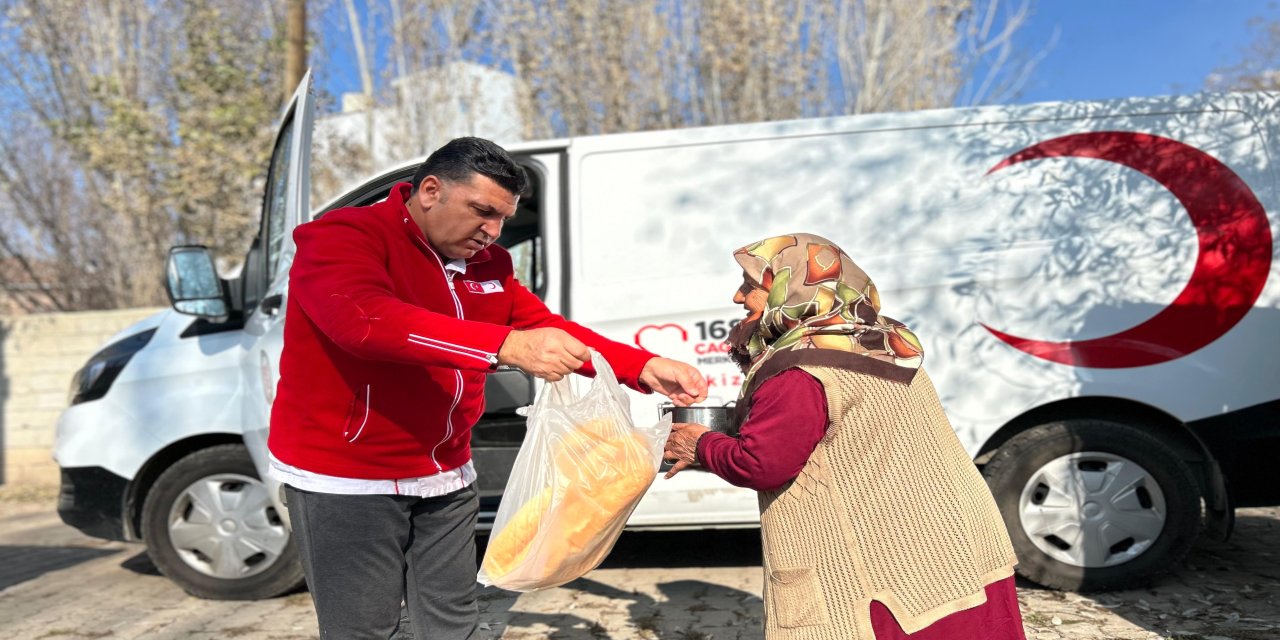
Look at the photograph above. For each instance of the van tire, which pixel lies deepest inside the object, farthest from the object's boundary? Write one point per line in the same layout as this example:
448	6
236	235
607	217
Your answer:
1095	445
215	498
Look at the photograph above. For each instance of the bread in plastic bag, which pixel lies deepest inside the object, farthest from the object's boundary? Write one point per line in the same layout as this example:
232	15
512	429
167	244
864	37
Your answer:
581	471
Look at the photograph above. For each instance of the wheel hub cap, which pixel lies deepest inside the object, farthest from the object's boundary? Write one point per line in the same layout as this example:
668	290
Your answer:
1092	509
225	526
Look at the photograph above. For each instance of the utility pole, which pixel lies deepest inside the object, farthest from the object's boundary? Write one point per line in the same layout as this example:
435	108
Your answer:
295	63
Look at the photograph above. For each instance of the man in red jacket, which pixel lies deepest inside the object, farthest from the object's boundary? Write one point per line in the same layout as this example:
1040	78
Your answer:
396	312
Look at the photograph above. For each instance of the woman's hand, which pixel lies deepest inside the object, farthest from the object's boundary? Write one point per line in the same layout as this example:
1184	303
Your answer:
682	446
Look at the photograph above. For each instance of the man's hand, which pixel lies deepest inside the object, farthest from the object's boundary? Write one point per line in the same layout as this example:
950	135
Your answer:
682	446
548	353
674	379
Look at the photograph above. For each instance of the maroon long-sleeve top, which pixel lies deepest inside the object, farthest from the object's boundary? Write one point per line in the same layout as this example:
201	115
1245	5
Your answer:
788	417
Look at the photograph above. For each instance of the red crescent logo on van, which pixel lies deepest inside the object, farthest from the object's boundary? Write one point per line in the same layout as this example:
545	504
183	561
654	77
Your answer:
1231	268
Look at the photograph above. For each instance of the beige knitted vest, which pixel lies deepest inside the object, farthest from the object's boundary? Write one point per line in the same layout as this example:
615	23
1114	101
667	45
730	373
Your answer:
889	507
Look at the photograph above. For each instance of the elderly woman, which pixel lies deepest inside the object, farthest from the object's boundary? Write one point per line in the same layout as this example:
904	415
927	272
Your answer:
876	524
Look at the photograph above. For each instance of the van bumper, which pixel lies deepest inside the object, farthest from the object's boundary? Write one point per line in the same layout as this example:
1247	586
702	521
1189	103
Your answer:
92	500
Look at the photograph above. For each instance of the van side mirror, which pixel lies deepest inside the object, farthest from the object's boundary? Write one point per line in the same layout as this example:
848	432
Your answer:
193	284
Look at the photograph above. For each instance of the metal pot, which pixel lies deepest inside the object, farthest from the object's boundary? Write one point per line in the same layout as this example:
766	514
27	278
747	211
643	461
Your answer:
717	418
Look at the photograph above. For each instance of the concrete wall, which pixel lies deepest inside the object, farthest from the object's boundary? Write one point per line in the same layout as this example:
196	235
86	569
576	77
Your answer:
38	355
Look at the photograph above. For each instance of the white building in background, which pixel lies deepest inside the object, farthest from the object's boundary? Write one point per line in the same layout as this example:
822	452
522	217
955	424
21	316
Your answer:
431	107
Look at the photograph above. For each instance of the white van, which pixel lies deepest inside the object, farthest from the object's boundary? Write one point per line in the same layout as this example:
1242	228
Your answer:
1095	285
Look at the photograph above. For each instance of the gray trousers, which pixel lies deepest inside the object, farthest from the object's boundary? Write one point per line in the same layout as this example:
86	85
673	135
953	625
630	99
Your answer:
364	554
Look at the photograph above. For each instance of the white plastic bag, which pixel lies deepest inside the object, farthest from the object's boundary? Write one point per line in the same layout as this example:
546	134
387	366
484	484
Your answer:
580	472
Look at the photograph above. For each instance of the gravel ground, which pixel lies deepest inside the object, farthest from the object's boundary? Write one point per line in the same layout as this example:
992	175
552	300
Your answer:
55	583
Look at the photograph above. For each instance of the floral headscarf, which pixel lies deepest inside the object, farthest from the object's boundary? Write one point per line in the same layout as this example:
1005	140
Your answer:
822	310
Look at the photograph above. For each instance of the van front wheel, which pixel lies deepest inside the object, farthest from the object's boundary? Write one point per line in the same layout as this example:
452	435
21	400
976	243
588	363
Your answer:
1093	505
210	527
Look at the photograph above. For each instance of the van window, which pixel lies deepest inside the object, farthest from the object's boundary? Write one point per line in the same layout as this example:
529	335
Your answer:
273	213
522	235
264	254
526	257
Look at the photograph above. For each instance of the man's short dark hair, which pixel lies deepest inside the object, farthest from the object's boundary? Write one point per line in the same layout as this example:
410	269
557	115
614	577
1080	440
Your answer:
462	158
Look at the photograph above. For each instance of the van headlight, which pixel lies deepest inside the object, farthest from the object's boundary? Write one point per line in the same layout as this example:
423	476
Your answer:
94	379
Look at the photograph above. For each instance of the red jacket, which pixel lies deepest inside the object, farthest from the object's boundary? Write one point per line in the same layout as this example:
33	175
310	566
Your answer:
385	352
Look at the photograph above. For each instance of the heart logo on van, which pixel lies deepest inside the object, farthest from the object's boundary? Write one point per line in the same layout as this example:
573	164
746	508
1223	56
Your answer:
661	338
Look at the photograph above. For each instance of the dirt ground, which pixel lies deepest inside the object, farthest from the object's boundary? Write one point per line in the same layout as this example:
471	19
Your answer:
1229	590
58	584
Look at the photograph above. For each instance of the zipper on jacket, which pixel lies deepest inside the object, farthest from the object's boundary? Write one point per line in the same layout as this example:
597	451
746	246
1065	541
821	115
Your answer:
457	375
489	358
448	276
448	421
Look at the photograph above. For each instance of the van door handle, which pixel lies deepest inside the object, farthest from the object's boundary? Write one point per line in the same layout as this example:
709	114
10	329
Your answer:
271	304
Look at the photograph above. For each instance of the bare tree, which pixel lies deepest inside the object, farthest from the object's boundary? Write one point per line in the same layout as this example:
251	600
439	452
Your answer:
421	97
597	66
223	103
1258	68
50	261
150	119
428	90
365	65
603	66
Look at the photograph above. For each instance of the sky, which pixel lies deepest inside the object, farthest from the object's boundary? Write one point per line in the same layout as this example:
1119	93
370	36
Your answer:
1122	48
1092	49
